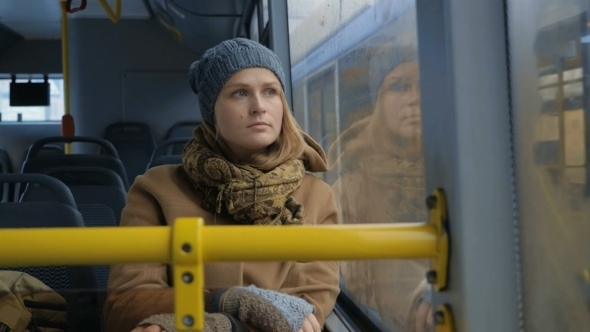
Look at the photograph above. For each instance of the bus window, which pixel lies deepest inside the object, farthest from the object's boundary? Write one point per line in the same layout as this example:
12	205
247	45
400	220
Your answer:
53	112
549	65
355	77
322	107
256	28
299	100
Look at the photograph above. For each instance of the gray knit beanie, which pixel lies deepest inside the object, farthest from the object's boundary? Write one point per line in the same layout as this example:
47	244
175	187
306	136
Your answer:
219	63
397	44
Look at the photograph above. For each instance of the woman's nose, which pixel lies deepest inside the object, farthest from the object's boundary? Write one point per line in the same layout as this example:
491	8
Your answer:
257	105
415	93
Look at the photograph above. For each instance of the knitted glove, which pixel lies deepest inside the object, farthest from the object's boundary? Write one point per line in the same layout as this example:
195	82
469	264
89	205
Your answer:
264	309
217	322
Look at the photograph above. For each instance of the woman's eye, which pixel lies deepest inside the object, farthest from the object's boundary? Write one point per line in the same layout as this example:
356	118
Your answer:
400	87
270	92
240	93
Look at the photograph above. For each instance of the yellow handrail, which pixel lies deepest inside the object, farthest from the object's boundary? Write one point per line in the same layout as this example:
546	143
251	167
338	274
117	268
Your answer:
188	244
116	245
116	16
65	63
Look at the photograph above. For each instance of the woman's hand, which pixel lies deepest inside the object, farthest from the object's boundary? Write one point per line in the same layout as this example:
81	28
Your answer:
265	309
424	319
150	328
310	324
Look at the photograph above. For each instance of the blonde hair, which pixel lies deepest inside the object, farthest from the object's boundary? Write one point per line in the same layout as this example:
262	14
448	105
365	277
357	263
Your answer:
289	145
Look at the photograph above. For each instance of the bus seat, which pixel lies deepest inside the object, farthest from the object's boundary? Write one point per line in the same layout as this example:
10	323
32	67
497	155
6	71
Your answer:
83	182
43	146
163	153
36	163
5	167
76	283
98	215
135	144
93	215
90	186
48	149
181	129
53	190
52	149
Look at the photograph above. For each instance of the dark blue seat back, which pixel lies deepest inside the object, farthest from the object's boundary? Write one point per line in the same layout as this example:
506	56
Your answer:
76	283
134	142
164	154
5	167
99	197
36	163
47	149
181	129
91	186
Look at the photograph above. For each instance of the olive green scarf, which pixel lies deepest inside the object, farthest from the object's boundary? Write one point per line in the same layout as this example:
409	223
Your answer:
247	195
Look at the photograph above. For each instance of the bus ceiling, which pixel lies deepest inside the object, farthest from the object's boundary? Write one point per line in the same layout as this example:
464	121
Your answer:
189	22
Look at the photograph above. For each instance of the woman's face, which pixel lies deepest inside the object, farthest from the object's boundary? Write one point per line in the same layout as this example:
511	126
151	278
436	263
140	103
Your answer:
400	101
249	111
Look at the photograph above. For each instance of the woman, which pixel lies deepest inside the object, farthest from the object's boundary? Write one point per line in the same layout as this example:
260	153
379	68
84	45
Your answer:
381	180
246	165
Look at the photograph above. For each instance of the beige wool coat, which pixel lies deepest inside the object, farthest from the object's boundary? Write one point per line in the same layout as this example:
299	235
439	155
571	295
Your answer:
162	194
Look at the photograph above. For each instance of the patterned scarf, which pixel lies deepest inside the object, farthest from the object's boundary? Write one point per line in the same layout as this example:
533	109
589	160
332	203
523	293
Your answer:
393	179
247	195
405	178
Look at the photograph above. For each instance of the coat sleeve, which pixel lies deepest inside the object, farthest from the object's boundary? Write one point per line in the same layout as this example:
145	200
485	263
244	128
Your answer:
317	281
138	291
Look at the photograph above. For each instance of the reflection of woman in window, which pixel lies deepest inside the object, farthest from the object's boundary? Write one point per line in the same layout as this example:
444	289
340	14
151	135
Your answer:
382	181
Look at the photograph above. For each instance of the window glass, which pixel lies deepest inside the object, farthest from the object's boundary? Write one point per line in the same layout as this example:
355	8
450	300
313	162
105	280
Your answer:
549	71
255	34
254	26
53	112
265	11
356	90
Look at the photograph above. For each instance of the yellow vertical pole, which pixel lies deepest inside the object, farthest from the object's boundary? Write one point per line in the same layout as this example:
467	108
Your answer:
188	273
65	63
116	16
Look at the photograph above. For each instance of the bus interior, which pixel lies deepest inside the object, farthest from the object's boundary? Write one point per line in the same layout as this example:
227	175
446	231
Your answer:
498	99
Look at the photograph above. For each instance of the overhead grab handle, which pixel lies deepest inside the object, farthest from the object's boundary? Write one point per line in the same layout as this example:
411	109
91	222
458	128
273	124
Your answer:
116	16
69	8
67	121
